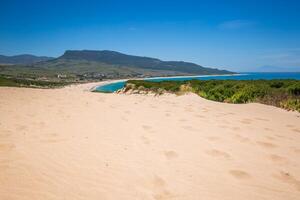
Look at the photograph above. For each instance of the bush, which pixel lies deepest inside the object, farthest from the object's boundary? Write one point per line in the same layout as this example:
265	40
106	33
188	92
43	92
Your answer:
294	89
282	93
291	104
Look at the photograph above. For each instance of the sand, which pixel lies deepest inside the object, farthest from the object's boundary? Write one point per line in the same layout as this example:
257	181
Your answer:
74	144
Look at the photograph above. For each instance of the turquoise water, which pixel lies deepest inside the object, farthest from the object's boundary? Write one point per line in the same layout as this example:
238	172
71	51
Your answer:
112	87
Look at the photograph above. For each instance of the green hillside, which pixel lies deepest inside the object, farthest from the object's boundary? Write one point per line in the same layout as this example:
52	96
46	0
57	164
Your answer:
96	65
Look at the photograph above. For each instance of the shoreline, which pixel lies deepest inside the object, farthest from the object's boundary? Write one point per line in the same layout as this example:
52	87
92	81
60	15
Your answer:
106	82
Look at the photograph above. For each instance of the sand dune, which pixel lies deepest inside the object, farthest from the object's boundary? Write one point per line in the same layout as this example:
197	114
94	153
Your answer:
73	144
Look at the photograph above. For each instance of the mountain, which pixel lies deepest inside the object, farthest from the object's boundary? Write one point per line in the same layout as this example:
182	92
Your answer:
120	59
22	59
88	64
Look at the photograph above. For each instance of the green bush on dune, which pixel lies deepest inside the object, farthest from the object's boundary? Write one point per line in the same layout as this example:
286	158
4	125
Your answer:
281	93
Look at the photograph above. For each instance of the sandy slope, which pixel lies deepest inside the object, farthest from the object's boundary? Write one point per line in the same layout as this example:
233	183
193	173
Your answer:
73	144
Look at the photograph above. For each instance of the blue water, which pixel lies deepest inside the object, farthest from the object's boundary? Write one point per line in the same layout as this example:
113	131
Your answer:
112	87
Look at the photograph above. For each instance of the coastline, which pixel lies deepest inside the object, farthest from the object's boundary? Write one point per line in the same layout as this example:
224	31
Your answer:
102	83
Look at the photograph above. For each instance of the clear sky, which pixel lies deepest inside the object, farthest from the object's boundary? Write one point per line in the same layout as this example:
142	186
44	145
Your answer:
240	35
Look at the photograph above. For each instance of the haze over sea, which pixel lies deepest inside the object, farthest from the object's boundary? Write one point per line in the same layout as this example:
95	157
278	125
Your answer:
112	87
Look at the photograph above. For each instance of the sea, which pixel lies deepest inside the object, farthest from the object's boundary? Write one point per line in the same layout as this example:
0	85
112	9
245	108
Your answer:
112	87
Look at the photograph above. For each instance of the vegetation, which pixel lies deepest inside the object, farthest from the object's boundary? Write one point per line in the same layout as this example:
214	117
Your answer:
13	82
281	93
145	63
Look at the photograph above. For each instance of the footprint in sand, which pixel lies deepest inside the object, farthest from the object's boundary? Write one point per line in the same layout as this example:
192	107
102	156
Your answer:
246	121
159	189
182	120
163	195
124	118
296	130
170	154
223	126
296	150
242	138
230	113
239	174
283	137
277	159
189	109
266	144
147	128
235	128
53	135
218	154
270	138
158	182
288	178
268	129
289	125
205	110
200	116
189	128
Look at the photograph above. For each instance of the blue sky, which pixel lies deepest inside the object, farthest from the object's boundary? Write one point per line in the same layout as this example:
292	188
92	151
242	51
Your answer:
236	35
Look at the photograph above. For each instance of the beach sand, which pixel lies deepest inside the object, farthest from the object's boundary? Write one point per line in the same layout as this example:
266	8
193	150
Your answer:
70	143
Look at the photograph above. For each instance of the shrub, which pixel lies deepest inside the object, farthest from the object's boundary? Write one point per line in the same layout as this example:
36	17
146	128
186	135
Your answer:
291	104
282	93
294	89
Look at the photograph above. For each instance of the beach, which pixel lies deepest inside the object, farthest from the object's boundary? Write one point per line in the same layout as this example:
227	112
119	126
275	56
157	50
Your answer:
70	143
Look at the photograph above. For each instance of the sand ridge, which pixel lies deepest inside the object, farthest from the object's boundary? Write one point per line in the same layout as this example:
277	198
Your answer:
71	143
